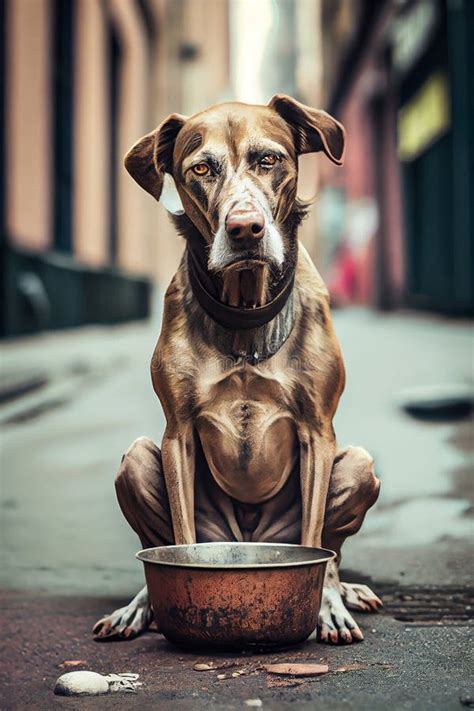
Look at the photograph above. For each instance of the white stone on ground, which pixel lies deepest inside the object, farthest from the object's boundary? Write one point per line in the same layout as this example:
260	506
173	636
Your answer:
88	683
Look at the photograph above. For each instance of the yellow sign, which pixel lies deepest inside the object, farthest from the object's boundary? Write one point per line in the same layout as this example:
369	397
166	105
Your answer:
425	118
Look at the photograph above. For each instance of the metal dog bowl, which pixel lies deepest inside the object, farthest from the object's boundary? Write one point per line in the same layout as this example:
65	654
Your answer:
236	595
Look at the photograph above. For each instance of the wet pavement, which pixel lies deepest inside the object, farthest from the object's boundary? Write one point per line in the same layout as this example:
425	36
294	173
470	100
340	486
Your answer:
397	666
68	555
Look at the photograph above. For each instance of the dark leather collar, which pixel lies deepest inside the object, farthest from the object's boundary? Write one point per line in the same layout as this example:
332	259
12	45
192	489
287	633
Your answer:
231	317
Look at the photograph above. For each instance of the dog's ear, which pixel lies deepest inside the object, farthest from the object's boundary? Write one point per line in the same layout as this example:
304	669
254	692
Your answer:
313	130
152	156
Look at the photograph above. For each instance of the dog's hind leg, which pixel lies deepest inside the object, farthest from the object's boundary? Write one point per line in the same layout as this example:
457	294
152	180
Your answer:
141	493
360	597
353	490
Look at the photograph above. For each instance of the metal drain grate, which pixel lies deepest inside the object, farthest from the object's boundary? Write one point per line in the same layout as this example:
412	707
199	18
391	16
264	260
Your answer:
431	606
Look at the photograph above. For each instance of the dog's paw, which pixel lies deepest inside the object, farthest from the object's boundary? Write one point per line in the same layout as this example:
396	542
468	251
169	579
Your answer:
360	597
125	623
335	624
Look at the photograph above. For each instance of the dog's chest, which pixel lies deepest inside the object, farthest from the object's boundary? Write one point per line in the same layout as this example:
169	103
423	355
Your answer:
248	434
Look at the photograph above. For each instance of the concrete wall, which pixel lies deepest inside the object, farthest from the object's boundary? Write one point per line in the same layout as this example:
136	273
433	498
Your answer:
134	230
28	124
91	165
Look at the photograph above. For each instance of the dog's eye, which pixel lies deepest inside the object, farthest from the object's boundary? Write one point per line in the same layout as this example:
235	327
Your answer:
201	169
268	160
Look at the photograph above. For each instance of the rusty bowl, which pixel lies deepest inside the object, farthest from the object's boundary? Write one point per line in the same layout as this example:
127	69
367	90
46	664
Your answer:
235	595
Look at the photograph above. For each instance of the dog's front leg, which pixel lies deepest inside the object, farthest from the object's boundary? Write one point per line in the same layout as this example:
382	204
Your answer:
335	624
178	457
317	453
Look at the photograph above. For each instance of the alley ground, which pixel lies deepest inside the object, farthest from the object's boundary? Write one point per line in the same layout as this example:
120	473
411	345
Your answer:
68	555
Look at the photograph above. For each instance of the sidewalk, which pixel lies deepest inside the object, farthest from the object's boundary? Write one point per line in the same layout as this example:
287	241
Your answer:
69	555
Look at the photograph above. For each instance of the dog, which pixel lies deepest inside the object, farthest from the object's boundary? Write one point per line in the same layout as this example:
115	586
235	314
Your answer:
247	366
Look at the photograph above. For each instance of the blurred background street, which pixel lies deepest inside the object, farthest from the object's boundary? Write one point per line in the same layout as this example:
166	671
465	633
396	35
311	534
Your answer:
85	257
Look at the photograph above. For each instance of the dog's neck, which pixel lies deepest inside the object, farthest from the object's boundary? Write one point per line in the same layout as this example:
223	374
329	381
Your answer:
250	344
255	345
274	297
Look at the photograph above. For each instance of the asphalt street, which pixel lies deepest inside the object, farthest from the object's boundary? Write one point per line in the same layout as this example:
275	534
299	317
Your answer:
68	555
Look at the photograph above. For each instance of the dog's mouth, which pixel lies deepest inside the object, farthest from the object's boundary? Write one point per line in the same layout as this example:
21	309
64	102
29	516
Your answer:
245	283
240	263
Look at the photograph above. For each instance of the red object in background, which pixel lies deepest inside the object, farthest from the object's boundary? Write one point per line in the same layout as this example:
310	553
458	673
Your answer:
342	281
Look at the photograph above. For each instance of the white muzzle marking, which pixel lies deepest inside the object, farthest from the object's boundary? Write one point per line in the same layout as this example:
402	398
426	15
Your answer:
222	253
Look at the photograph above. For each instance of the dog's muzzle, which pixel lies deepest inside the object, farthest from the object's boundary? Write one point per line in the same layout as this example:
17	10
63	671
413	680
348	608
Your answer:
249	234
245	227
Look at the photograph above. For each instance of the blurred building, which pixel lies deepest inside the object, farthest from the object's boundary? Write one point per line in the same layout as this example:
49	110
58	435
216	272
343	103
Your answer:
397	223
276	47
80	82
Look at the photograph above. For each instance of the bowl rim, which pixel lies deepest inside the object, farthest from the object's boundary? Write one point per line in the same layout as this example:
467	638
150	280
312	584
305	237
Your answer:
327	556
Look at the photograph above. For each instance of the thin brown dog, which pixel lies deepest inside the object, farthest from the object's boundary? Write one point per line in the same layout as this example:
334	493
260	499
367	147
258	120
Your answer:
247	367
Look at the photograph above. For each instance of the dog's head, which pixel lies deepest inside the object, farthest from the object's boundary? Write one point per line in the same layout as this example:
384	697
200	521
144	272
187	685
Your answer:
235	168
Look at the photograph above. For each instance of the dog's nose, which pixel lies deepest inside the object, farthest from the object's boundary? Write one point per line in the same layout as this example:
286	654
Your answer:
245	228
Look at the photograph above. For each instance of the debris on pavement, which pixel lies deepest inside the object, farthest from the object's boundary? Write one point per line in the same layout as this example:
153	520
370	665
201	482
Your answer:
297	669
89	683
81	683
356	666
384	665
203	667
73	663
123	682
213	666
256	703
